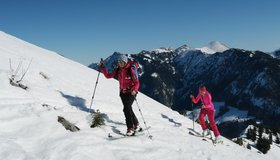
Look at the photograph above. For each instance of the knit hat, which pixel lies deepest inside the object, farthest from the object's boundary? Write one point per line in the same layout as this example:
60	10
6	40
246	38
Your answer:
202	89
122	58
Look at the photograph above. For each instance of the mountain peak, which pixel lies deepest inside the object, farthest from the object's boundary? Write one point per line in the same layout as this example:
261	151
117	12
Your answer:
183	48
213	47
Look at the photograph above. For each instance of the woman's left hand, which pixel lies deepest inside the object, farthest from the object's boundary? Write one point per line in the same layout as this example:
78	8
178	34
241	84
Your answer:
133	92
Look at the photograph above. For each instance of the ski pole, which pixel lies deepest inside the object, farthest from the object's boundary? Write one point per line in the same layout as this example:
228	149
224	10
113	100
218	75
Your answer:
150	136
94	91
192	116
192	111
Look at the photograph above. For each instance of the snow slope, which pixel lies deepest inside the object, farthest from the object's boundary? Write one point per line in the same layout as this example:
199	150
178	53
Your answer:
30	131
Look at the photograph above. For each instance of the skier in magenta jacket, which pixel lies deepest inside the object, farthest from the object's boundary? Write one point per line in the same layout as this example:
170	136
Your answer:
207	108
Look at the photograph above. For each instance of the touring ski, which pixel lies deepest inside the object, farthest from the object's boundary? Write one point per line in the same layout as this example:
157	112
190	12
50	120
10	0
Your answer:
198	135
195	133
119	135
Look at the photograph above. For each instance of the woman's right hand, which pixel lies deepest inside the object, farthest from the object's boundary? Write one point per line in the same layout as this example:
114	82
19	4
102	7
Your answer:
101	63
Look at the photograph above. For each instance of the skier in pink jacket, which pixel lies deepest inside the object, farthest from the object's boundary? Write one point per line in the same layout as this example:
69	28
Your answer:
207	108
129	85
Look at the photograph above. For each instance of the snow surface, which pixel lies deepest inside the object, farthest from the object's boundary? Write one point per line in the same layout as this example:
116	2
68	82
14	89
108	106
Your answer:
30	131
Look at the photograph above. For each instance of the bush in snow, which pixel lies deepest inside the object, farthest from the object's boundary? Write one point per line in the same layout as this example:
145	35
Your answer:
98	119
15	78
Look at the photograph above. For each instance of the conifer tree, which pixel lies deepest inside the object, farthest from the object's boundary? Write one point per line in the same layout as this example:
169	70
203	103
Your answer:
266	130
270	138
249	133
277	140
263	145
254	134
98	120
260	131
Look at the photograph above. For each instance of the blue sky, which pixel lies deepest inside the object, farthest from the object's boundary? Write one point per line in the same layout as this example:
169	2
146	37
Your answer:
86	30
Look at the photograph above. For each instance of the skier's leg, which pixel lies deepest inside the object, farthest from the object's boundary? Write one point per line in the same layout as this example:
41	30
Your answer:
201	119
210	115
127	110
134	118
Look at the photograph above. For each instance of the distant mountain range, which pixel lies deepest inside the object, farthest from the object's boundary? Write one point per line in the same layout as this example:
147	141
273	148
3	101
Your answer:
247	80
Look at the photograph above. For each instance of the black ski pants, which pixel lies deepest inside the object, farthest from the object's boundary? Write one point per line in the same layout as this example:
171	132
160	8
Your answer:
130	118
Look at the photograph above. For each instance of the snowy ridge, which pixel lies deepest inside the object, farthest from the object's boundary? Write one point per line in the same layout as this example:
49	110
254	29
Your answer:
30	131
211	48
162	50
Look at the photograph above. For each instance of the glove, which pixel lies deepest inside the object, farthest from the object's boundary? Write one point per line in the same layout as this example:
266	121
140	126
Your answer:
133	93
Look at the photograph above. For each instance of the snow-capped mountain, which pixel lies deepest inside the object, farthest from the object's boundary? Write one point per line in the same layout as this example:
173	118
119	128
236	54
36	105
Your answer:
61	87
246	80
211	48
214	47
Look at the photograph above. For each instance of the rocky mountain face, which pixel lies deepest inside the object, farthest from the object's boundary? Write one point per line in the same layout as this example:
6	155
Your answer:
247	80
160	79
